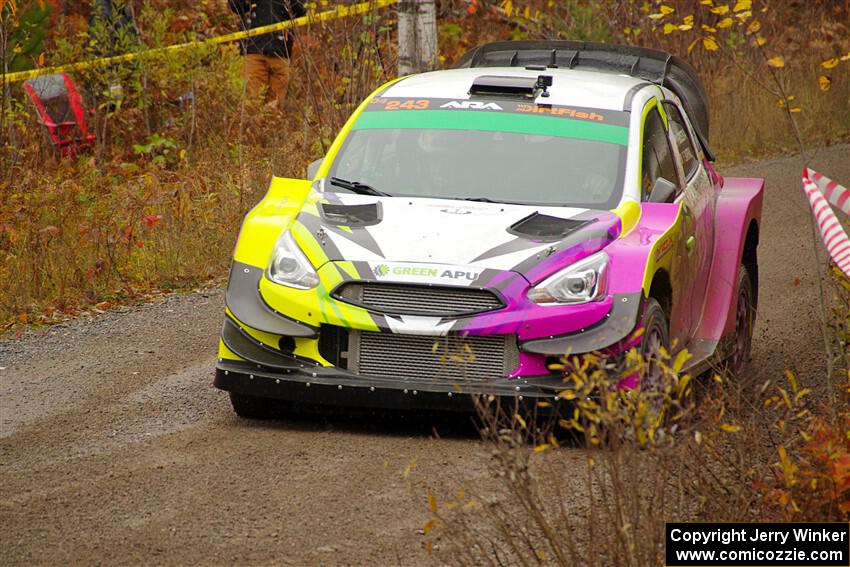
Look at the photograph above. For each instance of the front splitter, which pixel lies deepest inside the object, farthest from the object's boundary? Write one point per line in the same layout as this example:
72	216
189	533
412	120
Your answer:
330	386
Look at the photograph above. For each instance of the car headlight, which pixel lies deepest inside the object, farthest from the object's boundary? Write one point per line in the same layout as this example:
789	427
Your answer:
581	282
289	266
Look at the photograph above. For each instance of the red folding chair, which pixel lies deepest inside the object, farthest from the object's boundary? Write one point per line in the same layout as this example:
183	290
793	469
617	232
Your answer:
61	111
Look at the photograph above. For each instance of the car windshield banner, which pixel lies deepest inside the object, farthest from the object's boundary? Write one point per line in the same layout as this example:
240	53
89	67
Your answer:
516	117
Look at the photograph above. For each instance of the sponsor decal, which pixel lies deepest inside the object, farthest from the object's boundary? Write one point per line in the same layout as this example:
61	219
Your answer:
425	272
471	105
663	248
560	111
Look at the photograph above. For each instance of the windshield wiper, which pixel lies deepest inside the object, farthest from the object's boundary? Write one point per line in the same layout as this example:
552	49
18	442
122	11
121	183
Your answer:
357	187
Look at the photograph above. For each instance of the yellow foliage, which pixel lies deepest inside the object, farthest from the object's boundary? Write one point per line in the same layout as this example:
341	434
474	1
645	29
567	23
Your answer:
777	62
710	43
521	421
720	10
663	10
830	63
725	23
742	5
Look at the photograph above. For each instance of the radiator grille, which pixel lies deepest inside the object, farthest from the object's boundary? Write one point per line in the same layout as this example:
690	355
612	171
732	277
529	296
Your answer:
434	301
423	357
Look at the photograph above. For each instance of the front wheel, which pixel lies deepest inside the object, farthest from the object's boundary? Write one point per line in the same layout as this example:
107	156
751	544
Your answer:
654	342
745	314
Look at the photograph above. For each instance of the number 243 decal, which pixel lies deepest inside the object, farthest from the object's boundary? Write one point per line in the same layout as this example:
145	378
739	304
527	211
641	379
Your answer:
409	104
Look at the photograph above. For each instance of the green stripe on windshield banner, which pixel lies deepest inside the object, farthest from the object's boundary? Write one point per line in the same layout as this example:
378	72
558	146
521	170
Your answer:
495	122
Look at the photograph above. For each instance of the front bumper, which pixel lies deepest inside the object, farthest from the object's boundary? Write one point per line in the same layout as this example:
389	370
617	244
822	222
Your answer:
266	353
332	386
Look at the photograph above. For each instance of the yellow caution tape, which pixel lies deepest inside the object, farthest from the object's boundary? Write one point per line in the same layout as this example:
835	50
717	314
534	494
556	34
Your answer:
338	12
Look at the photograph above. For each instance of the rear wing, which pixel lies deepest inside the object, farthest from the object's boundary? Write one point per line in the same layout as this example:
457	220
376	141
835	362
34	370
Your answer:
651	65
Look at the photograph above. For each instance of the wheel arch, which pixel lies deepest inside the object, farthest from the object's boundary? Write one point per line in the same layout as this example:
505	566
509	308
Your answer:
661	289
749	257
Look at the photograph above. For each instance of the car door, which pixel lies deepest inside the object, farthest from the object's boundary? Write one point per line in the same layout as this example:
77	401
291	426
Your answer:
698	204
658	160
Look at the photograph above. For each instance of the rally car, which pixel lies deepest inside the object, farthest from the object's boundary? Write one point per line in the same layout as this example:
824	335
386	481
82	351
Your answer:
471	226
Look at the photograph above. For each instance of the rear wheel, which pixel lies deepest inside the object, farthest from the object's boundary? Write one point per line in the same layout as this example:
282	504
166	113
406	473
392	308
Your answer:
745	314
252	407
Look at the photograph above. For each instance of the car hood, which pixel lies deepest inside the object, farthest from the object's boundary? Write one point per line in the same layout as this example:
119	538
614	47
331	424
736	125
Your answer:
530	240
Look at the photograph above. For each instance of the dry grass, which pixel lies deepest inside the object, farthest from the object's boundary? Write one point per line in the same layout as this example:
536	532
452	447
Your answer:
735	455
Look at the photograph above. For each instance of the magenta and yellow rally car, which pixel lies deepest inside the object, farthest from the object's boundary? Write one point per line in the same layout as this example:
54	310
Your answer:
469	227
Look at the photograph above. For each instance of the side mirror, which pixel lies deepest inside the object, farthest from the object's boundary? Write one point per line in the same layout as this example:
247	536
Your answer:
313	168
663	191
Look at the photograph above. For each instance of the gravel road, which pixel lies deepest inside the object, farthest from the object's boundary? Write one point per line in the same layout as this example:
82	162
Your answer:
116	449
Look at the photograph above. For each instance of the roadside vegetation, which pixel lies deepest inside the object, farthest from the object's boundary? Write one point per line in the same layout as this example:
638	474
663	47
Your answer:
155	206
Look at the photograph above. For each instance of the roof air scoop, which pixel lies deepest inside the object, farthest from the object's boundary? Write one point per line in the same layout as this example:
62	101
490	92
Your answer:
522	87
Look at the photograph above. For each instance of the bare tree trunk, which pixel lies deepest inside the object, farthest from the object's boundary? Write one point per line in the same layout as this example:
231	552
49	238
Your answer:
417	36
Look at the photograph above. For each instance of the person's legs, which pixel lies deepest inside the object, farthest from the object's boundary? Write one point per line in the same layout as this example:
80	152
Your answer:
256	76
278	79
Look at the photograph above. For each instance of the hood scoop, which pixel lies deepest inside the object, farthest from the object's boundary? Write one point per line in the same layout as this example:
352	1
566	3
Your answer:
351	215
537	226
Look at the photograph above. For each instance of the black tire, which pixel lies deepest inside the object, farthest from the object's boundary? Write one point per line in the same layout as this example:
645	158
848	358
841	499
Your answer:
656	334
252	407
745	316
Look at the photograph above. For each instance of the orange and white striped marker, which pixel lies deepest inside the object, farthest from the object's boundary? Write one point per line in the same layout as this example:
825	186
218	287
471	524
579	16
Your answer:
823	191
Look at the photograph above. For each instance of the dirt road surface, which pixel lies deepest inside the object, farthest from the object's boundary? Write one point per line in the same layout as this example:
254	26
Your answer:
116	449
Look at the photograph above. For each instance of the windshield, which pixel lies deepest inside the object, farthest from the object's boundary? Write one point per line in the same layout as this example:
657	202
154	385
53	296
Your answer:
479	154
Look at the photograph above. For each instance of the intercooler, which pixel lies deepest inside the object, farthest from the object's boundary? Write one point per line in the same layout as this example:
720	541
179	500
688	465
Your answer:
412	357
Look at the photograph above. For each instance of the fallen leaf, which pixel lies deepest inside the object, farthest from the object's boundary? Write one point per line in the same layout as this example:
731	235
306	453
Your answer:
777	62
710	43
824	82
830	63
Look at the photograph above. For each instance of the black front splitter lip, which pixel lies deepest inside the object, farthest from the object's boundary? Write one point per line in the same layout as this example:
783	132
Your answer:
329	386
